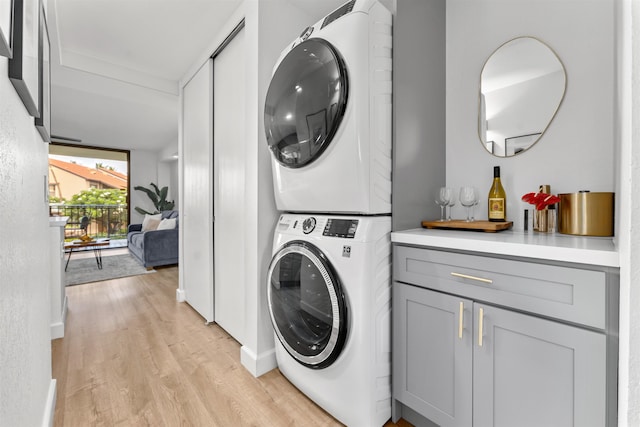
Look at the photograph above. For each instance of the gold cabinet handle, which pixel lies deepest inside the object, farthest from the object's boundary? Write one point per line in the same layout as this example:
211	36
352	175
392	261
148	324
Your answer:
480	326
461	320
466	276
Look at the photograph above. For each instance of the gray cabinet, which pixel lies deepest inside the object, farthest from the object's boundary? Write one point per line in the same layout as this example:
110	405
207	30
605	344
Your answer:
464	357
529	371
432	354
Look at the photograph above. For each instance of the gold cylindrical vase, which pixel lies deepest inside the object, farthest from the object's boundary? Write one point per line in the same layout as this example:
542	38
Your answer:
586	214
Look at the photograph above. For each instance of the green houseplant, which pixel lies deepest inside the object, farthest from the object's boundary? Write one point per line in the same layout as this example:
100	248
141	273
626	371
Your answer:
158	197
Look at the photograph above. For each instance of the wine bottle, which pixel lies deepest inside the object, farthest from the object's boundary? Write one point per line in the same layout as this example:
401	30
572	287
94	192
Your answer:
497	199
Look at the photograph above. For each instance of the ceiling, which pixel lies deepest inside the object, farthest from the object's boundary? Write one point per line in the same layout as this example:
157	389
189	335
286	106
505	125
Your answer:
116	65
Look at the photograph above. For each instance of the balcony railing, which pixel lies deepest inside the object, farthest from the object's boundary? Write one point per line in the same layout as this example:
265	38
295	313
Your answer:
104	221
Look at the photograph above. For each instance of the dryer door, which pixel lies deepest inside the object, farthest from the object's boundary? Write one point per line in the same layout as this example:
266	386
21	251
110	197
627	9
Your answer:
307	305
305	102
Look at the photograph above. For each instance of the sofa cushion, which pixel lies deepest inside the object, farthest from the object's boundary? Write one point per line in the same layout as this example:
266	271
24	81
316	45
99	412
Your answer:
152	225
136	239
151	222
167	224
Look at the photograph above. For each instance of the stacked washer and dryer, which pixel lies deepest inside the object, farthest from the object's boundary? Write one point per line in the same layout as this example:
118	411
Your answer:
328	116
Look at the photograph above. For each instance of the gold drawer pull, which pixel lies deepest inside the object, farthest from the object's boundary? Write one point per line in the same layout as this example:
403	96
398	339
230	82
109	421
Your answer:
461	320
466	276
480	326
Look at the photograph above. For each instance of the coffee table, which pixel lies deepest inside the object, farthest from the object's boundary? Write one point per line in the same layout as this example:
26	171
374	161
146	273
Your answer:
96	245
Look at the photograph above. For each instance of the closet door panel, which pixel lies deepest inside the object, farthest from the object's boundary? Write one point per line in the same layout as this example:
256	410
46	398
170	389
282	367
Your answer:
196	220
229	205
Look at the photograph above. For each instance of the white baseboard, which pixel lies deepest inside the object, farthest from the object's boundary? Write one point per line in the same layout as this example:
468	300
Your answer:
258	365
180	297
50	406
57	329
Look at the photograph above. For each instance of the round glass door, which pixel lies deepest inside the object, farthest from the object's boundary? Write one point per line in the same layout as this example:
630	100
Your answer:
305	102
307	306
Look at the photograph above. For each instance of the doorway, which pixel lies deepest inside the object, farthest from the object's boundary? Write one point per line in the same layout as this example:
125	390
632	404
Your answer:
90	185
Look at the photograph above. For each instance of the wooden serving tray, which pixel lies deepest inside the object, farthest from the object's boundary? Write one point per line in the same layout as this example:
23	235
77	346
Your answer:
460	224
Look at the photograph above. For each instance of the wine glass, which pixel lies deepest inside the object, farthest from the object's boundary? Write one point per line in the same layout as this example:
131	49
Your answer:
473	208
452	203
468	199
442	199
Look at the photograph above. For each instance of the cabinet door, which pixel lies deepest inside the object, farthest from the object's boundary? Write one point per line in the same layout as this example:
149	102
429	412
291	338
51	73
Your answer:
535	372
433	354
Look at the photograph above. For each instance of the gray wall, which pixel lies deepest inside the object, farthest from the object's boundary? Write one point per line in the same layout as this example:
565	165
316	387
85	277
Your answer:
419	110
577	150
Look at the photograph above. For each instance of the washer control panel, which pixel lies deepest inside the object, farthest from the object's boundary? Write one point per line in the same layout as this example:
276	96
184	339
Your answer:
345	228
308	225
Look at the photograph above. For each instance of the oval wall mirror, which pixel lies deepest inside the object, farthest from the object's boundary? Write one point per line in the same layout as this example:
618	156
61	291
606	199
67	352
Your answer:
522	85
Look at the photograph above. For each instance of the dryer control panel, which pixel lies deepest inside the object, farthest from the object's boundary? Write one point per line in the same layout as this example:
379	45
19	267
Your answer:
341	11
345	228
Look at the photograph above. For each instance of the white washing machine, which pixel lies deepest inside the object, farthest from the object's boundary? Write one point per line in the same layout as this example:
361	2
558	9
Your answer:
329	295
328	112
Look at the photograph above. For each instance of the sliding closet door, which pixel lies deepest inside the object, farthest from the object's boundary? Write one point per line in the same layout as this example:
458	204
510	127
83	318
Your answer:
229	185
196	220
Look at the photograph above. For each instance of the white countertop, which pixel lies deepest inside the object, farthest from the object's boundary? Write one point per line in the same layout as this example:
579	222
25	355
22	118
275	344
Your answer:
58	221
545	246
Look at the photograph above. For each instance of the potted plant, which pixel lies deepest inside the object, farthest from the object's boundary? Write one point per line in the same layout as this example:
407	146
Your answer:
159	198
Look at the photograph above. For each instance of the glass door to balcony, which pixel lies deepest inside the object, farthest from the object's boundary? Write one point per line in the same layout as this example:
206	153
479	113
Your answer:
90	186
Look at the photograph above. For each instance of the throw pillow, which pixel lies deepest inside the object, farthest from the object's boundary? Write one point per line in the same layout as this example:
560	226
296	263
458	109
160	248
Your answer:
167	224
152	225
151	222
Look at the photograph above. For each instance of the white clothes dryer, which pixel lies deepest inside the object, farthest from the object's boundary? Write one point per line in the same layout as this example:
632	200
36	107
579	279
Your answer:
328	113
329	296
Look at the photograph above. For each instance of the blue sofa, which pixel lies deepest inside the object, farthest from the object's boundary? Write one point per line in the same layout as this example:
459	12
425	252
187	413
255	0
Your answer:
154	248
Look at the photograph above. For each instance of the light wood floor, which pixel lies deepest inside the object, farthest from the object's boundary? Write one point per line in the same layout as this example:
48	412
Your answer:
133	356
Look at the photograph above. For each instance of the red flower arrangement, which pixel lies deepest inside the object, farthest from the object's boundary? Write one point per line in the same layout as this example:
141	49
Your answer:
540	200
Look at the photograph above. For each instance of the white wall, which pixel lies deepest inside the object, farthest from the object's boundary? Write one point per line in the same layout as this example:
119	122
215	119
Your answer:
577	150
168	177
633	380
144	170
168	171
628	157
25	340
174	184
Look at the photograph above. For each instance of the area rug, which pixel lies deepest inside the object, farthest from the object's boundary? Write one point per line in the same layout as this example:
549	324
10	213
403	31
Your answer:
85	270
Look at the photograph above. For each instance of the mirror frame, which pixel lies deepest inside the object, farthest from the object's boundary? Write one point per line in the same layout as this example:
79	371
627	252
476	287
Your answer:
485	144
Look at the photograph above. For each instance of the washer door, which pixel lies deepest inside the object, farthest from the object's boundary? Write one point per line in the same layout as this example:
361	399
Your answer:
305	102
307	305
